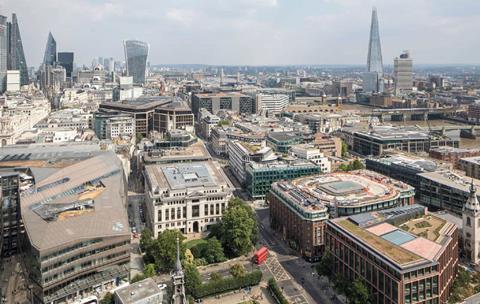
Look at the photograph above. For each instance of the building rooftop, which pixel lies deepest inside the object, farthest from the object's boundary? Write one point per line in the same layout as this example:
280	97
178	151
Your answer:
196	151
220	94
82	200
474	160
356	188
404	235
413	162
283	136
185	175
139	104
137	291
454	179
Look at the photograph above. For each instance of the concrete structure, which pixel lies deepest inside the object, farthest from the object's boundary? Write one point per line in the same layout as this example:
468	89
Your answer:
471	166
142	292
272	104
473	112
282	141
226	101
453	155
112	124
311	153
404	255
379	139
471	226
176	115
77	238
186	196
13	81
445	189
403	73
328	145
207	121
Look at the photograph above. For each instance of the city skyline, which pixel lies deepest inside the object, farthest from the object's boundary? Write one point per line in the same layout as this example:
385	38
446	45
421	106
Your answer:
215	32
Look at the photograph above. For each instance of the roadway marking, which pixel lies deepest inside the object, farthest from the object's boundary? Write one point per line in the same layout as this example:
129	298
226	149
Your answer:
276	269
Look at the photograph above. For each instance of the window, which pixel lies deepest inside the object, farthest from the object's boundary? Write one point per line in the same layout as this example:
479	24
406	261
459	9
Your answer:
468	221
195	211
159	215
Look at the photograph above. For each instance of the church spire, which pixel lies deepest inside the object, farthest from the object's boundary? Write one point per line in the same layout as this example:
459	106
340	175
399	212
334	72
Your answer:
178	278
472	202
178	264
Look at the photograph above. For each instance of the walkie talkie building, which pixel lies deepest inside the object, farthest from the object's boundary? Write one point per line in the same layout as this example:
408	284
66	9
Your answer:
136	53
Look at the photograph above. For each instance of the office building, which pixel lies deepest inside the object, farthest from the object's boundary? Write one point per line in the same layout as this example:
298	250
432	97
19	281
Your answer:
404	255
473	112
136	54
142	109
50	56
143	292
304	204
403	73
282	141
77	236
207	121
65	59
175	115
260	176
471	166
16	55
3	53
112	124
241	153
13	81
311	153
377	140
445	189
272	104
223	101
453	155
373	78
190	197
10	219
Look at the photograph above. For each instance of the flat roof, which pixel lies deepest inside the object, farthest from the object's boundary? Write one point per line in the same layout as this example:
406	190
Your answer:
220	94
417	163
143	103
383	133
81	201
185	175
454	179
474	160
341	189
139	290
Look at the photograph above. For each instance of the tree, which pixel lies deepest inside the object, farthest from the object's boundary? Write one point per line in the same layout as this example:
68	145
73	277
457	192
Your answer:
343	167
358	293
149	270
147	245
213	252
189	258
324	267
165	249
138	138
357	164
192	278
108	299
215	276
344	149
237	227
237	271
137	278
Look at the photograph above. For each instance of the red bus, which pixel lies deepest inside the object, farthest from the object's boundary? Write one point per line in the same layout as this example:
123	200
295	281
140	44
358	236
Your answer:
260	256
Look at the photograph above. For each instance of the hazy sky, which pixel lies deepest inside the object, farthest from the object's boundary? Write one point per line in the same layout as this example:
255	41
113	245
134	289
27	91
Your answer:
251	32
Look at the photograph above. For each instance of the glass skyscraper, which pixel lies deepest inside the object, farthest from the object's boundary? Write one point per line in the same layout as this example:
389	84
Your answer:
16	56
65	59
3	53
50	51
373	78
136	53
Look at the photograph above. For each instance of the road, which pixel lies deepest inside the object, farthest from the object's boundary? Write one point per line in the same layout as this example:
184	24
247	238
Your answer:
298	269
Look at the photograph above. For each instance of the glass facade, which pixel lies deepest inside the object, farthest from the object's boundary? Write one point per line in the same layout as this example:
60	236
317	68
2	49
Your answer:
15	51
136	53
66	60
50	51
373	78
3	53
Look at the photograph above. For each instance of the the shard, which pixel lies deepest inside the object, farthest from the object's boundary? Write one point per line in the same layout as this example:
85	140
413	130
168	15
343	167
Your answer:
373	78
16	54
50	51
136	53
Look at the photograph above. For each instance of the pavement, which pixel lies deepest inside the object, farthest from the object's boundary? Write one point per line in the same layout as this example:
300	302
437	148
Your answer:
12	284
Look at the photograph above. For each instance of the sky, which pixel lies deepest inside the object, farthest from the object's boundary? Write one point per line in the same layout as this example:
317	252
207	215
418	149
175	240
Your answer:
251	32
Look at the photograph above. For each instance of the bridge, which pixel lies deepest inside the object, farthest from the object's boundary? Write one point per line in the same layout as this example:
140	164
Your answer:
415	113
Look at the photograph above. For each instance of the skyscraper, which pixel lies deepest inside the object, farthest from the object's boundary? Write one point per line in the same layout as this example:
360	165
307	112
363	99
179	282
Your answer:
3	53
373	78
16	56
50	51
403	73
65	59
136	53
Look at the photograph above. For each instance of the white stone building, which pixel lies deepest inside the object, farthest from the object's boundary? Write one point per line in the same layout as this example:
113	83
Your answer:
309	152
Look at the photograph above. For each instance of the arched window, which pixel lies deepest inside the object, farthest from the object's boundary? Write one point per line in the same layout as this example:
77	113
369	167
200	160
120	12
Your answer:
468	222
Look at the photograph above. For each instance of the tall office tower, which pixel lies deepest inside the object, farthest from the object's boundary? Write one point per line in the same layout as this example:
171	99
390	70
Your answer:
3	53
373	78
403	73
50	51
16	56
136	53
65	59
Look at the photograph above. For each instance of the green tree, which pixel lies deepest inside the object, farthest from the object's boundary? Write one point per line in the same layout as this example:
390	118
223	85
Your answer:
237	271
359	293
215	276
137	278
324	267
357	164
189	258
344	149
192	278
108	299
165	249
149	270
147	245
213	252
343	167
138	138
237	227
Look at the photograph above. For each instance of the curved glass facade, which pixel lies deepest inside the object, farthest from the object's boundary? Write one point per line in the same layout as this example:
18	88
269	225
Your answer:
136	53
